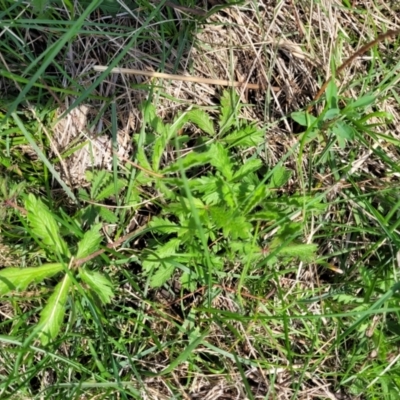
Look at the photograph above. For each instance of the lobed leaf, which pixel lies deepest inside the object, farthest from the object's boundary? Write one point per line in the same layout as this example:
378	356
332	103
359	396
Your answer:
247	168
202	120
162	274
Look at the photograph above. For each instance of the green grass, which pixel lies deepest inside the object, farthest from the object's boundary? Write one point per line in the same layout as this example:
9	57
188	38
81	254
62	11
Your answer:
229	244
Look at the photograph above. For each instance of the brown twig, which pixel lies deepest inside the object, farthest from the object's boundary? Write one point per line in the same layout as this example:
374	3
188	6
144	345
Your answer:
80	261
220	82
358	53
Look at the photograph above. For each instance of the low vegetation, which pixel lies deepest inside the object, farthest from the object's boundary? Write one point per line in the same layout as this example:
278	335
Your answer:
169	239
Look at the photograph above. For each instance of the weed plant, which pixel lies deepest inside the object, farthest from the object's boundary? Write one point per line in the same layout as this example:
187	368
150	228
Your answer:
209	260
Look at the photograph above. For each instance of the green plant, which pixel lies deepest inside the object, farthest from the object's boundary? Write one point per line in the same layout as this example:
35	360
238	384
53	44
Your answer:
215	202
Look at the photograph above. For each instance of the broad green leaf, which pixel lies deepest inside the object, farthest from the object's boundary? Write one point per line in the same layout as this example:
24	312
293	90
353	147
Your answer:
363	101
44	225
231	223
90	242
202	120
331	113
158	150
189	280
98	283
166	132
149	111
280	176
142	159
20	278
52	315
303	118
247	168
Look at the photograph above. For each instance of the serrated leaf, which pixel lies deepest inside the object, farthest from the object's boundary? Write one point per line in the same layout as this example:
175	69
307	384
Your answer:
154	259
109	189
220	160
162	274
247	168
99	179
20	278
202	120
90	242
189	280
163	225
229	101
149	111
256	197
44	225
231	223
142	159
107	215
247	136
189	161
158	149
98	283
280	176
52	315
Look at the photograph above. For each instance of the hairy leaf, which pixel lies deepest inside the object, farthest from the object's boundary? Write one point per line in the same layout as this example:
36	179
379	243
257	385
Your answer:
98	283
305	252
44	225
20	278
90	242
52	315
256	197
